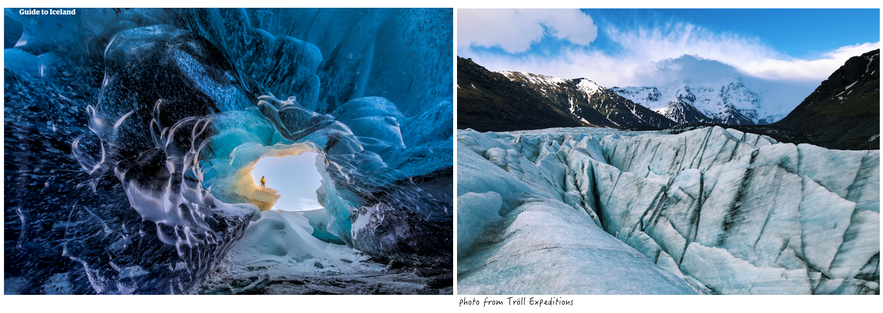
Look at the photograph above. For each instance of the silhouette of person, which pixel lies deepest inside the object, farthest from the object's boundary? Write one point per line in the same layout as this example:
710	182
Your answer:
263	182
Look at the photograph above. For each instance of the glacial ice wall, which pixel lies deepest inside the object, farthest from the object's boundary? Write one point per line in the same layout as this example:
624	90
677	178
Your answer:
728	212
128	132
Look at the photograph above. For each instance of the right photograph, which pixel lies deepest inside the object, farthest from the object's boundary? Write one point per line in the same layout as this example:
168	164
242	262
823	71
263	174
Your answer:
668	151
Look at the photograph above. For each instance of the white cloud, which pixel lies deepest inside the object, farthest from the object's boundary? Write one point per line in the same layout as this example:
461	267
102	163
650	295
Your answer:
749	55
643	52
797	69
673	40
515	30
667	54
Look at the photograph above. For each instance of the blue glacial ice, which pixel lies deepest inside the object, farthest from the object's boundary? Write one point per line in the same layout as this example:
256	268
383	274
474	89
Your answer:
130	136
724	212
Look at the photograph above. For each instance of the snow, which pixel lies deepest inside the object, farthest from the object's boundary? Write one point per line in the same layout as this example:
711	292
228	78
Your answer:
723	211
537	79
711	100
588	87
281	244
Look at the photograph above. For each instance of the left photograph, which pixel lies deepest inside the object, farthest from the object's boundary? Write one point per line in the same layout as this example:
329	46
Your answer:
228	151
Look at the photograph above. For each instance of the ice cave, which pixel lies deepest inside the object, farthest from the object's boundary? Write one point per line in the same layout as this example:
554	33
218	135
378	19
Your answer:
131	135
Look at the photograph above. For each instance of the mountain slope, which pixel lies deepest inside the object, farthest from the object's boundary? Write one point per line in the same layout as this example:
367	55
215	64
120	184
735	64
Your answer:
677	107
844	111
488	101
732	103
591	103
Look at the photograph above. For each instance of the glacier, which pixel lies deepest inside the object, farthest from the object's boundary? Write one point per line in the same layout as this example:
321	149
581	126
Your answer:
130	134
709	211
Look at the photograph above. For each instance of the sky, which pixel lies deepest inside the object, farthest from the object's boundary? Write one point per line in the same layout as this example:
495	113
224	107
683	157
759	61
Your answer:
295	177
787	51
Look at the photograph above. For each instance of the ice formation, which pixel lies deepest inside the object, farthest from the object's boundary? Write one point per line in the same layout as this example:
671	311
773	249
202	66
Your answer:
726	212
130	135
282	244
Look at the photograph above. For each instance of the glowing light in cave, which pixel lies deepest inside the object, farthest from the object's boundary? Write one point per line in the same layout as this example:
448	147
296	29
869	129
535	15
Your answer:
295	177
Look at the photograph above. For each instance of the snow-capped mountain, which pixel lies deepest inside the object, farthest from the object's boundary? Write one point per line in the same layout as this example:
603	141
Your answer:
732	103
488	101
590	103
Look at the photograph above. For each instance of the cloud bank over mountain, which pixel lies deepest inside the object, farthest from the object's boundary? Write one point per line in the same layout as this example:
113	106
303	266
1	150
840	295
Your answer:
655	53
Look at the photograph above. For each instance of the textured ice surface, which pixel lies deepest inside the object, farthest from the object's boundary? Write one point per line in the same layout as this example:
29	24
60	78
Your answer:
280	254
548	247
130	135
280	247
728	212
516	236
282	242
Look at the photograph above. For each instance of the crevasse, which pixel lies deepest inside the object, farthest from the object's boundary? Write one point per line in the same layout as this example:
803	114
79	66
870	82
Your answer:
724	212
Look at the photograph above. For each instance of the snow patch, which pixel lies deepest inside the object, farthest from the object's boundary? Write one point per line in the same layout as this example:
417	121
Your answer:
588	87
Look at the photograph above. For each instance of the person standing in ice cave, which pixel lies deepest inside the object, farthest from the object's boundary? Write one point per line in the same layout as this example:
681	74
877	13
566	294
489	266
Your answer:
263	182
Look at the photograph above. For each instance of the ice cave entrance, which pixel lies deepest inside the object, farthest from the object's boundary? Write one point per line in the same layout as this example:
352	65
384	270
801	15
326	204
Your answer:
294	177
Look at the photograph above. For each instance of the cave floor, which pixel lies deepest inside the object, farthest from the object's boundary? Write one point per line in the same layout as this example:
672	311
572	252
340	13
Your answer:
372	278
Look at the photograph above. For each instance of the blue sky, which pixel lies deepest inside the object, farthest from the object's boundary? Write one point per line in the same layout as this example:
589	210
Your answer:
794	49
295	177
799	33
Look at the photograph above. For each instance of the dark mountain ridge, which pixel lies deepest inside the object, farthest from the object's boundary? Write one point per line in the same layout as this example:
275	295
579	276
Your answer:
488	101
844	111
591	103
491	101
